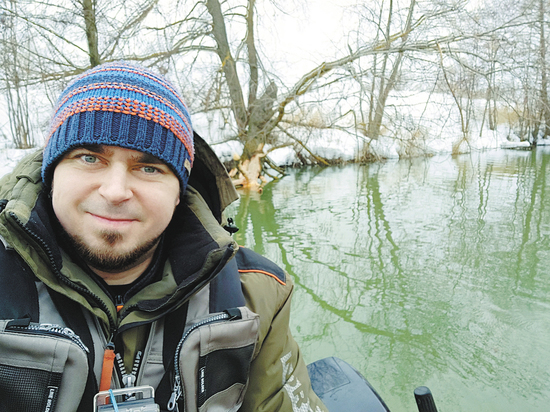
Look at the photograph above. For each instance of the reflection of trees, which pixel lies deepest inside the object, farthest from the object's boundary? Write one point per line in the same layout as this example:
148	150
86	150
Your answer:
495	240
470	248
532	239
257	215
411	352
523	179
413	276
386	269
363	298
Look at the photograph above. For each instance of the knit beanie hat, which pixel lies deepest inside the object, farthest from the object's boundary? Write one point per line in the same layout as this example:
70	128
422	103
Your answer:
119	104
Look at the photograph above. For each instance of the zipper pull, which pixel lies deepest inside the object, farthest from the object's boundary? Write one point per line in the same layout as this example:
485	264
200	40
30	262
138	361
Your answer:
107	370
19	323
176	394
123	375
233	313
129	379
118	303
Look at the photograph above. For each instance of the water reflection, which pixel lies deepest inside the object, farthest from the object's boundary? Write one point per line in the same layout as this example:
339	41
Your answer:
427	271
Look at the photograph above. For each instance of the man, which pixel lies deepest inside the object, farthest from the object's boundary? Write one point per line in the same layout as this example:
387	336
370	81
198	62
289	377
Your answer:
109	236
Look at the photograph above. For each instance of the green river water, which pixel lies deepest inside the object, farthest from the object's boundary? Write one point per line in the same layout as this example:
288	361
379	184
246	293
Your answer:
430	272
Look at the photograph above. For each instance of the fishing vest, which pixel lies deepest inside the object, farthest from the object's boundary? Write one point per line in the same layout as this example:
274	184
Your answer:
197	357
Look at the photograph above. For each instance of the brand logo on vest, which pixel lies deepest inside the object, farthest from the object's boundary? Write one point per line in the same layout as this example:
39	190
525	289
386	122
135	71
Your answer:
52	394
202	380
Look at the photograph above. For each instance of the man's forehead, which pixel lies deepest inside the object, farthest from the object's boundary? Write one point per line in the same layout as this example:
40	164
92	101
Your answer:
137	156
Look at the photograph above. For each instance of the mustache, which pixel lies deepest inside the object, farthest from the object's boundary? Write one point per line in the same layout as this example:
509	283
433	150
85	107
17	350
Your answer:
113	212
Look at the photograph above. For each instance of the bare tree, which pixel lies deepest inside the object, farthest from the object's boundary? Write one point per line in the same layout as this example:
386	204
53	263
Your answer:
545	105
519	43
387	84
258	121
13	71
46	43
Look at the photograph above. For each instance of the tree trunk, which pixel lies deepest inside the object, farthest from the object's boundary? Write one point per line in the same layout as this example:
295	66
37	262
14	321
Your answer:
229	65
386	87
252	55
545	115
251	121
88	10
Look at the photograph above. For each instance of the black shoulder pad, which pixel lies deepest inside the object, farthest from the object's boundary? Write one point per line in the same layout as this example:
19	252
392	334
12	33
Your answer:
250	261
225	289
18	294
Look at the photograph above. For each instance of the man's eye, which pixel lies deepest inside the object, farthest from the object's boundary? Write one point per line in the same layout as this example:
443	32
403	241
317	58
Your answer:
150	169
89	158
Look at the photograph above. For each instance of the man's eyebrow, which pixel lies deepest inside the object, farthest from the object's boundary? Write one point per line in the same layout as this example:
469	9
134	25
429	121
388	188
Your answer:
94	148
148	158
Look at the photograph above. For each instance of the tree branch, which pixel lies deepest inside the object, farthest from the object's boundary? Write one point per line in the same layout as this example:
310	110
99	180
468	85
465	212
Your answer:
317	158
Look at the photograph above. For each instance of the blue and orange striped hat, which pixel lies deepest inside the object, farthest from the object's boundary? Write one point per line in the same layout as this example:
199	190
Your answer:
119	104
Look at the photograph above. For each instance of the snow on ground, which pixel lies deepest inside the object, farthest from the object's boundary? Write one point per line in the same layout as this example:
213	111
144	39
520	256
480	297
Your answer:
9	158
416	124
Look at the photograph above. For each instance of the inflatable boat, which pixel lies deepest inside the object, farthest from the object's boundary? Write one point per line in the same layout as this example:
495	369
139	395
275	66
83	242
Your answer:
344	389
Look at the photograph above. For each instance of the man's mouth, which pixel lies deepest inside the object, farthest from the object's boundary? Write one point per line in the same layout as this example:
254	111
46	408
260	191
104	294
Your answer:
114	220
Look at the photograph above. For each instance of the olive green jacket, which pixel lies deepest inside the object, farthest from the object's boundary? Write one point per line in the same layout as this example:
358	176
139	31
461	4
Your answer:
278	379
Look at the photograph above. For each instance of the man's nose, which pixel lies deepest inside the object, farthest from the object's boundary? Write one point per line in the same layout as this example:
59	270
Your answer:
115	184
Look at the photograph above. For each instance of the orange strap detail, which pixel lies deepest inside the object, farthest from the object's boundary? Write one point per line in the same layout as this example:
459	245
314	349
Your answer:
264	272
107	370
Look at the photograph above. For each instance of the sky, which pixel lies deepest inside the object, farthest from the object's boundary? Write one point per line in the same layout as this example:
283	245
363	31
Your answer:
305	35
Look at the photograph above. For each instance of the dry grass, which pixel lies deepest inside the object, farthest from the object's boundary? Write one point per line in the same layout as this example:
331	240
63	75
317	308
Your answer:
507	115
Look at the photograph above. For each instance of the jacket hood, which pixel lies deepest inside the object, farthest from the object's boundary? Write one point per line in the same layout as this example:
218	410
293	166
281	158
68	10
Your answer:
210	178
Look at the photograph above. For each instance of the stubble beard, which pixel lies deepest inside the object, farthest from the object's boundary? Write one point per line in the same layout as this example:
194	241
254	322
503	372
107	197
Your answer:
108	260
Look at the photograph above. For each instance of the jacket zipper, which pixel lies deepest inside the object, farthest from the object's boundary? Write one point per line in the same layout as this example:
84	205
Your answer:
177	393
64	279
129	379
46	329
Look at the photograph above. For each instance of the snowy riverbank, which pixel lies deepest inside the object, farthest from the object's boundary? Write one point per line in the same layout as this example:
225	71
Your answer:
417	124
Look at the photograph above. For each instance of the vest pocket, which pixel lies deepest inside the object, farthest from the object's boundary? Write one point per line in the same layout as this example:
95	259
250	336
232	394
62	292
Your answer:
213	361
223	376
43	367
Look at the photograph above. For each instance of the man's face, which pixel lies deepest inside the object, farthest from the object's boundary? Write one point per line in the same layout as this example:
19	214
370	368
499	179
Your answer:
114	204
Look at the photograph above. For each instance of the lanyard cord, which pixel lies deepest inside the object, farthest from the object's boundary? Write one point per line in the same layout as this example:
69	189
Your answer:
113	400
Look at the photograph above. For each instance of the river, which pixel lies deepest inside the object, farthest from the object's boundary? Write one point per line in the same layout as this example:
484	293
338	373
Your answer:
430	271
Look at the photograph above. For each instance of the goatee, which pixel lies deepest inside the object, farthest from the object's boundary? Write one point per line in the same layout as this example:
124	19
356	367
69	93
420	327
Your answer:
108	260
